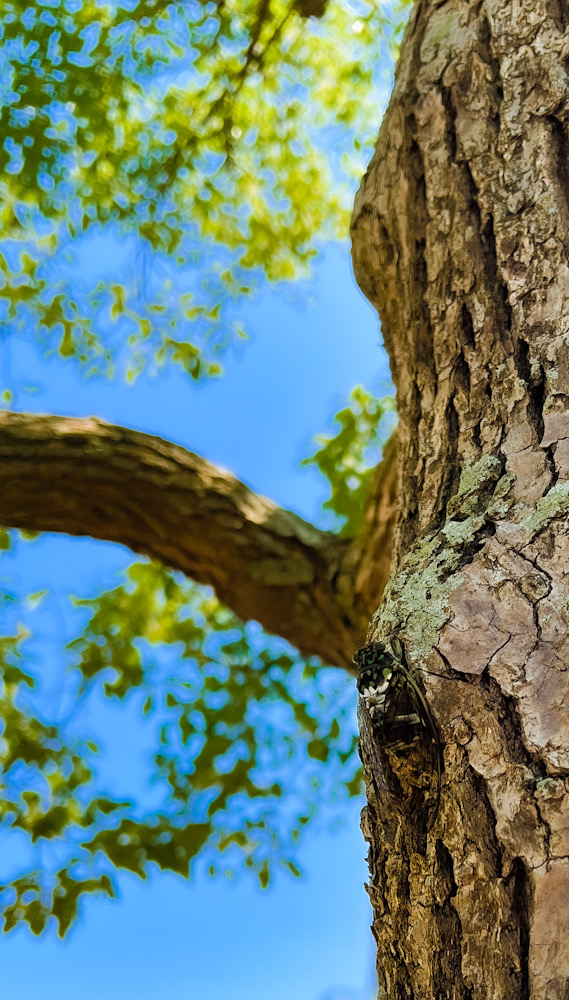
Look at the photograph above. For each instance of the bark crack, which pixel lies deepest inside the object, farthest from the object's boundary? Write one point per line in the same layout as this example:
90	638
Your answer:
521	899
485	39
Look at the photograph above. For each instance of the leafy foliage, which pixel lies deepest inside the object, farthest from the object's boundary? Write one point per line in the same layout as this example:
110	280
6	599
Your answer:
200	134
240	714
42	780
347	459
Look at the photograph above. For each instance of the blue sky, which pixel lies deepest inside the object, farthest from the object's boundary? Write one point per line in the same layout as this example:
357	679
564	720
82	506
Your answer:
305	938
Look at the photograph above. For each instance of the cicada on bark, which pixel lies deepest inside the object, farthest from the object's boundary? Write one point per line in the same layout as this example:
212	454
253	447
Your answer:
399	742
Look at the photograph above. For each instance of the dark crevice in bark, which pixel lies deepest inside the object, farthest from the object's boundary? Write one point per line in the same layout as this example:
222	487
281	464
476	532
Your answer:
447	963
478	541
466	328
408	527
425	342
507	710
488	384
538	629
448	104
411	483
402	916
485	37
472	193
491	847
494	279
424	353
560	13
536	384
462	374
452	467
521	900
546	825
521	358
560	150
550	459
384	242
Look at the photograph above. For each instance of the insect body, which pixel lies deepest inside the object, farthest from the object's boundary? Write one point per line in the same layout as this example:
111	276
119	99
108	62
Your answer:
399	743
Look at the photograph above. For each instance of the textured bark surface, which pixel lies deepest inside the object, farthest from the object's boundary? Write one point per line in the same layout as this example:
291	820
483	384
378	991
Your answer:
460	238
85	477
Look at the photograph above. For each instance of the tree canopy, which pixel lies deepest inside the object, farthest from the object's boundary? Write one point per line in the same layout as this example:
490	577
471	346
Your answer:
221	140
207	132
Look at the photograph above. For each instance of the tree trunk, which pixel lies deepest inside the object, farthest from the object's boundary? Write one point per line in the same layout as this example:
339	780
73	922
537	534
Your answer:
460	239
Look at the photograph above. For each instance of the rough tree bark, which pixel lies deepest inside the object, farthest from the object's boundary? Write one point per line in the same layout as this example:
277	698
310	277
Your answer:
85	477
460	238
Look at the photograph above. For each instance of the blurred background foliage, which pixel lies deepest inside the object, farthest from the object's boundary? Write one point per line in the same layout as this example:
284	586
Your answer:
219	141
206	133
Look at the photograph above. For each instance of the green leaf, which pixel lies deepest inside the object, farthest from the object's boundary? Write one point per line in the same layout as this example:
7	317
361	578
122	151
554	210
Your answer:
347	459
318	749
264	875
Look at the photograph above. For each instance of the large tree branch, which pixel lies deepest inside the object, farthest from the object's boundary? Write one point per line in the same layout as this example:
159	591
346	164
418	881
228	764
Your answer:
85	477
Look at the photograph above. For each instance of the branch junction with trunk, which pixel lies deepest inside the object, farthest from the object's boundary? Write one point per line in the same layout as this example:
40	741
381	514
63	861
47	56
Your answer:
86	477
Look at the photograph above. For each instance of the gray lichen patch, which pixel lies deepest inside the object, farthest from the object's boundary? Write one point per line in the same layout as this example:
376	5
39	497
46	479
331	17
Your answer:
500	503
474	482
552	506
459	533
416	599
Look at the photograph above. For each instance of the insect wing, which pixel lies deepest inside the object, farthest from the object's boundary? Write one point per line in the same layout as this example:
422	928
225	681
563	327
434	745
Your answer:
431	731
412	746
369	751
